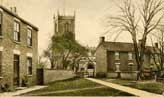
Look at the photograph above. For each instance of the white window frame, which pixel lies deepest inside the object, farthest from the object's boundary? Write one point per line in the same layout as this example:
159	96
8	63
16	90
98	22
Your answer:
16	31
29	37
29	65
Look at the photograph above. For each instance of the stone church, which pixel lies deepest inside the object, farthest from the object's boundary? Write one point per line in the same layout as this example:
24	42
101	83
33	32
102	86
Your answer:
64	24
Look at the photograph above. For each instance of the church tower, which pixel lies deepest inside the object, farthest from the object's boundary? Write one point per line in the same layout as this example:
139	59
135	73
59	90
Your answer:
64	24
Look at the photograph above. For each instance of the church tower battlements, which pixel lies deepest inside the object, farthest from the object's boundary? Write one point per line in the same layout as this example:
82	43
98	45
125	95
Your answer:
64	24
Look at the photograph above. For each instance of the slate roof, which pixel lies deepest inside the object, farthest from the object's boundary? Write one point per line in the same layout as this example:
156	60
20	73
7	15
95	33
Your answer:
18	17
118	46
123	46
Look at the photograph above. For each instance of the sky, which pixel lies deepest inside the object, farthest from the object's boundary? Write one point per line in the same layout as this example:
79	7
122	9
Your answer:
90	17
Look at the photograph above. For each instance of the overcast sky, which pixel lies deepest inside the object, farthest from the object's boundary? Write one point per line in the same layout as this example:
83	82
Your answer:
89	17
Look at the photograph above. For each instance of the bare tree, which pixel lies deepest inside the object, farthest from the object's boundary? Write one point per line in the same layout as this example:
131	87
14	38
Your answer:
141	20
158	51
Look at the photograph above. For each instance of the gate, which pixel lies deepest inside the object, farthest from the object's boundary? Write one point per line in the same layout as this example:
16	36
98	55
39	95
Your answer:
40	76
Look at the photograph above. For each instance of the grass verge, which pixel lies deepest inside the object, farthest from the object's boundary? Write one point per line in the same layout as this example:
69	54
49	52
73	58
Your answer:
76	83
94	92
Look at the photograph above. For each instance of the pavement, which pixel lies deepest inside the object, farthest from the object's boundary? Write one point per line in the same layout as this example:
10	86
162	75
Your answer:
136	92
12	94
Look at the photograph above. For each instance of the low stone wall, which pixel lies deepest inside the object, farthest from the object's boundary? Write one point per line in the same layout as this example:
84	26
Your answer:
124	75
54	75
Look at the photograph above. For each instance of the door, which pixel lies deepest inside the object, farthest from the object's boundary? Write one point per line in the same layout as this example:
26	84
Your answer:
16	70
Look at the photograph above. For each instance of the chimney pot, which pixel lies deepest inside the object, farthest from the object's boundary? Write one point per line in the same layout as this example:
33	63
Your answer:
102	39
156	45
13	10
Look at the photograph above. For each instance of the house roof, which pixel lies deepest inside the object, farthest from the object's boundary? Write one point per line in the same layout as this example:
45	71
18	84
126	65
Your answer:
118	46
123	46
18	17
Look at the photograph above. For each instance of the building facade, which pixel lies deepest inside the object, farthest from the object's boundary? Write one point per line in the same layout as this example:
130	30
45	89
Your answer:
114	57
18	50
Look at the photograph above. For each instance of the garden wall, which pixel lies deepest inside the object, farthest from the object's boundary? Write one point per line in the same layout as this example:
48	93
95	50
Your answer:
124	75
54	75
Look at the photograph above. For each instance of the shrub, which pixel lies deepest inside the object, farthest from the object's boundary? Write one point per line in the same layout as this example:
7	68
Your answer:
25	81
40	66
5	88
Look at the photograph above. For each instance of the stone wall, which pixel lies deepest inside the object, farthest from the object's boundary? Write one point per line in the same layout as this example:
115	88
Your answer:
124	75
54	75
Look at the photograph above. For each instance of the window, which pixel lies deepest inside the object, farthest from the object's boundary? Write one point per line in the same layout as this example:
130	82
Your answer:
117	56
29	37
0	24
0	63
130	56
16	31
29	66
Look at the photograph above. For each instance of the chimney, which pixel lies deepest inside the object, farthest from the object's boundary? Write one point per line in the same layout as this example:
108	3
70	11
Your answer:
102	39
156	45
13	10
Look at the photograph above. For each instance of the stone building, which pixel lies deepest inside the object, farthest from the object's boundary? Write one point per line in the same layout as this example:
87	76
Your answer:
64	24
114	57
18	50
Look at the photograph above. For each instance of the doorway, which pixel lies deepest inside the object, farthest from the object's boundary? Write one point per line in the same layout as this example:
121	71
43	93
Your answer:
16	70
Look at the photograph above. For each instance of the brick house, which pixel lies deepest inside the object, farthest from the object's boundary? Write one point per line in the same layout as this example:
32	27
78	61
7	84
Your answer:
114	57
18	49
